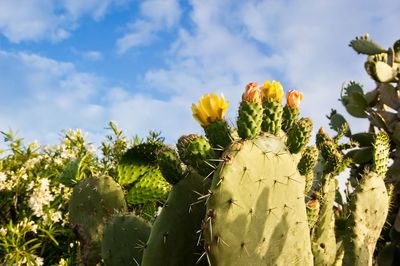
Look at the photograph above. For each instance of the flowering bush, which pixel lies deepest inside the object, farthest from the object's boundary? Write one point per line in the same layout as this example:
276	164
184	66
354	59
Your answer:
33	200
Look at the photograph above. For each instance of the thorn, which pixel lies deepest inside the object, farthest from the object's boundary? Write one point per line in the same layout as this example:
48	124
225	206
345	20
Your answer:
287	206
270	210
201	257
215	160
276	181
210	174
245	249
209	164
165	235
289	178
220	181
223	242
137	263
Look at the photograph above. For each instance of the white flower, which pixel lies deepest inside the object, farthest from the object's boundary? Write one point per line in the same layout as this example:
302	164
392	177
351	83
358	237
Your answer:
41	196
38	261
3	231
62	262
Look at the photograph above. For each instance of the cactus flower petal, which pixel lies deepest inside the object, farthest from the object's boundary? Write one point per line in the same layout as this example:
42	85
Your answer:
210	108
272	91
252	93
294	98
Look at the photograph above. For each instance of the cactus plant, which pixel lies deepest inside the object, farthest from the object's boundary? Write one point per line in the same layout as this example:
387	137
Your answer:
174	235
124	239
94	201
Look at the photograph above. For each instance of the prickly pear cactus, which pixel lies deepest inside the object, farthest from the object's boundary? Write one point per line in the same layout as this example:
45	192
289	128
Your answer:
250	218
369	208
124	240
93	202
139	173
175	233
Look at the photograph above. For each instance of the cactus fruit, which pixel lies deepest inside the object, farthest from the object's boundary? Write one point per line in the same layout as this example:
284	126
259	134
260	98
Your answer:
93	202
368	210
249	120
313	208
182	144
306	166
250	220
272	117
124	239
250	112
272	98
218	133
170	165
174	239
210	113
291	110
299	135
198	154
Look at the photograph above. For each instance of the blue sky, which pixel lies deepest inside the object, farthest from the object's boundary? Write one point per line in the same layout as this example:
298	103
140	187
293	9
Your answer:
80	63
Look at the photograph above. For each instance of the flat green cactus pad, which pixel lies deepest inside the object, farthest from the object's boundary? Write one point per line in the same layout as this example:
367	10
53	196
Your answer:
256	213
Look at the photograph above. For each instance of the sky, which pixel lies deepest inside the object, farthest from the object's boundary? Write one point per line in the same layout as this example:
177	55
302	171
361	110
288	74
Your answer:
72	64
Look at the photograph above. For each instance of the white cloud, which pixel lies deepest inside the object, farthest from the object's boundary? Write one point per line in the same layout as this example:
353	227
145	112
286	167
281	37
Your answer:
35	20
50	96
155	16
302	44
43	95
90	55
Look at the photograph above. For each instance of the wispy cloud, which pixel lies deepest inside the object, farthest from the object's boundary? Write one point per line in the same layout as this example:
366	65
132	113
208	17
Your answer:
155	16
302	44
36	20
88	55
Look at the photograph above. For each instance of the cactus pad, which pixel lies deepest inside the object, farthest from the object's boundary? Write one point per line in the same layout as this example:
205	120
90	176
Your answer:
93	202
124	239
369	207
250	218
174	238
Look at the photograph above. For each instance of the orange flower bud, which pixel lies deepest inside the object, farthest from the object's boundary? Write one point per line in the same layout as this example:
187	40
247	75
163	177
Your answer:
252	93
294	98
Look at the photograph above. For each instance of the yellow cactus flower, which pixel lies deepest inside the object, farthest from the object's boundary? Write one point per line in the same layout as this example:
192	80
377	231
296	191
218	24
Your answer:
294	98
210	108
252	93
272	91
